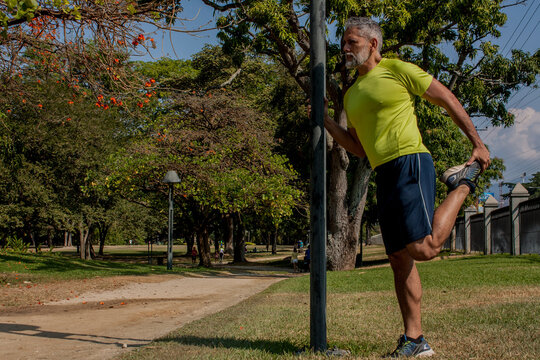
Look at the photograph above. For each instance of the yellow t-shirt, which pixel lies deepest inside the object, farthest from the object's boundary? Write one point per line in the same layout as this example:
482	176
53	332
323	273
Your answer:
380	107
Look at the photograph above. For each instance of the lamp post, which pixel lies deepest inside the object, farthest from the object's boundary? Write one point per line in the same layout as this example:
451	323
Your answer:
170	178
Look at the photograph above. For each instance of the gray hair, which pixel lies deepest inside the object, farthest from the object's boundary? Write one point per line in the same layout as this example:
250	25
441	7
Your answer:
367	27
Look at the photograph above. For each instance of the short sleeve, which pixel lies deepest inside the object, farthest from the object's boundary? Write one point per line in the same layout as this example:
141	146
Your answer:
416	80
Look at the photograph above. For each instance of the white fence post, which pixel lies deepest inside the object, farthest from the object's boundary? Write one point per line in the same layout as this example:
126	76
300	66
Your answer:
470	211
518	195
490	205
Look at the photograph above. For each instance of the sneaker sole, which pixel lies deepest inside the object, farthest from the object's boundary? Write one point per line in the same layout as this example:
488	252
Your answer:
451	171
426	353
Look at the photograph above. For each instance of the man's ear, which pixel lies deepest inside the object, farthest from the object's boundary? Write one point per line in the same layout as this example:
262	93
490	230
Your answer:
374	43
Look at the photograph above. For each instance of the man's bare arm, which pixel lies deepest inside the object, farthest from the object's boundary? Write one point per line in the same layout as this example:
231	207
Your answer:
439	94
346	138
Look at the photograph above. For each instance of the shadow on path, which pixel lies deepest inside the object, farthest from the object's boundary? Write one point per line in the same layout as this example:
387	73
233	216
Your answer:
32	331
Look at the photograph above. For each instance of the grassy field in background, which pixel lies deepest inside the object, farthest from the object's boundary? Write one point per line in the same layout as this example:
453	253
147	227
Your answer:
64	263
483	307
16	268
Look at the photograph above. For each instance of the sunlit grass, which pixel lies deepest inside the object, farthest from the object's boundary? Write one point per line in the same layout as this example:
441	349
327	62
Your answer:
45	266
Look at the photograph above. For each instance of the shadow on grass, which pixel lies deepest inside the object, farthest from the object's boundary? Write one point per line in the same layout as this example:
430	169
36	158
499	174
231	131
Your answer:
273	347
49	264
368	263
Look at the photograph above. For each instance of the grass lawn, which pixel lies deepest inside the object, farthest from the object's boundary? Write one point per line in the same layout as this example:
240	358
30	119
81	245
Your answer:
481	307
16	268
64	263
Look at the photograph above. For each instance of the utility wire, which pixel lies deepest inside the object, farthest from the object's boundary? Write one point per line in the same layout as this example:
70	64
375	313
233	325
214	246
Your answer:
530	102
523	153
516	104
531	166
528	37
517	27
523	29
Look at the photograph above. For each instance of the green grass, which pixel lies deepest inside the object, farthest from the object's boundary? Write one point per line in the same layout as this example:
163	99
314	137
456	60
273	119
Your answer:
483	307
64	263
48	266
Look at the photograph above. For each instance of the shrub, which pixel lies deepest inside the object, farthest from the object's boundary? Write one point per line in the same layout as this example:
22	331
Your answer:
16	244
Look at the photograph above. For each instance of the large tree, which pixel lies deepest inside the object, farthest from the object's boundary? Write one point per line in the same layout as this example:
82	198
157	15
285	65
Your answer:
424	32
210	129
50	143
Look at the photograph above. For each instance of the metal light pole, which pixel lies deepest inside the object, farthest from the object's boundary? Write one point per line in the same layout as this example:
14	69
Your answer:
170	178
318	179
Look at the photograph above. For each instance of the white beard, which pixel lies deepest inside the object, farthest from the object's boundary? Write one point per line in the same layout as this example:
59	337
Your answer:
357	59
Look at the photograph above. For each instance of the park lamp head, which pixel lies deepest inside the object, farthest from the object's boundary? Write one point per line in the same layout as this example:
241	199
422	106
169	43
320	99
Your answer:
171	177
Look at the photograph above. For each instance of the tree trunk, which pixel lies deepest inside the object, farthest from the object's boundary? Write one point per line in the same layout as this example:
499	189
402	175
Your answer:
103	231
218	238
85	247
203	241
190	241
50	238
274	241
344	217
239	242
229	240
34	243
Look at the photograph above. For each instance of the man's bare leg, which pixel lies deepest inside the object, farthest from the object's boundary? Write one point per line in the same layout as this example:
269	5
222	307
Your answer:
443	222
408	291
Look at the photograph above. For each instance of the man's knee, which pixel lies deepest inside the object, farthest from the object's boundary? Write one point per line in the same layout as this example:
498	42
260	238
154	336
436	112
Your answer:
400	260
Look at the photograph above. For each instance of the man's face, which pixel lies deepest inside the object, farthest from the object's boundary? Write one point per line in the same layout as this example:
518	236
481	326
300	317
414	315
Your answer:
357	48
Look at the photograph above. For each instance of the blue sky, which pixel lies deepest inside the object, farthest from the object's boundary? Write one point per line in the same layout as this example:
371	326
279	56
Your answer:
518	145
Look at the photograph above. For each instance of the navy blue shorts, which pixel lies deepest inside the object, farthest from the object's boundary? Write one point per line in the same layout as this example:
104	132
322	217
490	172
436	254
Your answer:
405	199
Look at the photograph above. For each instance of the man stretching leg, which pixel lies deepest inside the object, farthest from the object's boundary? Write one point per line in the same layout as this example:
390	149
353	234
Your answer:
382	125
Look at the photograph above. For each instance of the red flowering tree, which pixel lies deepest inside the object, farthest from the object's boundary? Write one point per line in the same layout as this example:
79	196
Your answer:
84	43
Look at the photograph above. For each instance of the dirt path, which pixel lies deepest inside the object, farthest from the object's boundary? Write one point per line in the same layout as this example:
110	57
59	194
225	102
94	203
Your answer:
116	316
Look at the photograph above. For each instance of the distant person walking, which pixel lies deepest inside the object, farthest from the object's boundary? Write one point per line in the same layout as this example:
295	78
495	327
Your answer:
382	125
307	258
221	254
294	259
193	255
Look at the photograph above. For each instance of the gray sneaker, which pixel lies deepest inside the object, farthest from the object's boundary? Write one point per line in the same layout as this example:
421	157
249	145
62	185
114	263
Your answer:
457	175
407	348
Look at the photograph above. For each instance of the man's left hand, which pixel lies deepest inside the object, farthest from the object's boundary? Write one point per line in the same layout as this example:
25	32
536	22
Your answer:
480	154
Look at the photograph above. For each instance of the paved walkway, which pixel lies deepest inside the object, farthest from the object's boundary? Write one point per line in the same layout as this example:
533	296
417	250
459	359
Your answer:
101	325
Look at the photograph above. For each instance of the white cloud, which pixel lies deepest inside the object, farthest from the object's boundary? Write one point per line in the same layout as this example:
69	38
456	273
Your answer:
519	145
